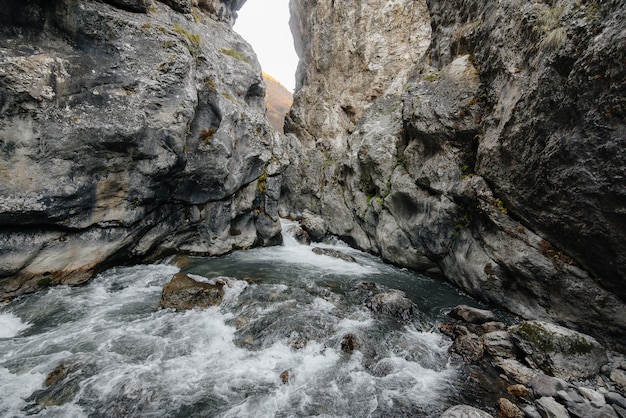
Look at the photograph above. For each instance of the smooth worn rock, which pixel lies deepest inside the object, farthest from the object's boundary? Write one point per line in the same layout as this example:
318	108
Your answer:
128	132
183	292
549	408
464	411
508	409
559	351
492	326
471	314
393	303
334	253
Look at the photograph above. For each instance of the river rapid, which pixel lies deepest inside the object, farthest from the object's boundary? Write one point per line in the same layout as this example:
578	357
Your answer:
275	347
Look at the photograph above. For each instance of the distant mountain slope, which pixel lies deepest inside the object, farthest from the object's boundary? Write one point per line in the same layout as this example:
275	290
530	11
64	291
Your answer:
278	100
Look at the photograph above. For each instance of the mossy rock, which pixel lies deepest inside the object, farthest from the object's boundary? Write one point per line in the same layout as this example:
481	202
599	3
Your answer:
559	351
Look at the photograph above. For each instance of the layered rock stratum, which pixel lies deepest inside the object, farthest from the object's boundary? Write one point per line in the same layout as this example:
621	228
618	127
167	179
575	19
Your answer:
130	129
482	141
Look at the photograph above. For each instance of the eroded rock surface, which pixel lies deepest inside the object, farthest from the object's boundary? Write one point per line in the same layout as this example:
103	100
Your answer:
497	160
128	131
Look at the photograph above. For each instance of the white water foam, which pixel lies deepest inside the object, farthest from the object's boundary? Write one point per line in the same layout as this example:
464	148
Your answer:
11	325
134	359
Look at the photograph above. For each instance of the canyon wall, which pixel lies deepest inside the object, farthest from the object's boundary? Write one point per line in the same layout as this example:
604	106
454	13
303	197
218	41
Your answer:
130	130
481	141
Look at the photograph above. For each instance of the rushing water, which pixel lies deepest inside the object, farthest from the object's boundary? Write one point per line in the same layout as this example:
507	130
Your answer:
286	309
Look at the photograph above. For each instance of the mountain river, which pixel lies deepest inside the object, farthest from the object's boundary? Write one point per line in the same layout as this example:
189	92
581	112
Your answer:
292	338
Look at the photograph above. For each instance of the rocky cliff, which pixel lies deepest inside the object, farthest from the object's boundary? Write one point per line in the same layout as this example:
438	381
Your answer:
129	130
483	141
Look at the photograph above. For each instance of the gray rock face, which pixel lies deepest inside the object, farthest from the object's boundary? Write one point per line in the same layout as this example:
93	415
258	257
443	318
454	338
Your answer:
127	134
497	160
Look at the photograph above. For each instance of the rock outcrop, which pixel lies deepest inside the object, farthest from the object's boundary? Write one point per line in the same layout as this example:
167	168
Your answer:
128	131
496	161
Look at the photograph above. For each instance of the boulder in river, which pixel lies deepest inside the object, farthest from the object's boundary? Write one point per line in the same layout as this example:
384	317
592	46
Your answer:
559	351
334	253
394	303
183	292
472	315
464	411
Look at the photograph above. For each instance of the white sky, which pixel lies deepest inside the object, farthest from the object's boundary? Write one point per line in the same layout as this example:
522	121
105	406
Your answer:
265	25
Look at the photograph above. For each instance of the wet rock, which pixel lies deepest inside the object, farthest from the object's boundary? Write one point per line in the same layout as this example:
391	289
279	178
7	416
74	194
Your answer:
349	343
518	390
314	225
393	303
508	409
298	343
59	373
468	346
559	351
499	344
183	292
549	408
464	411
334	253
543	385
472	315
286	377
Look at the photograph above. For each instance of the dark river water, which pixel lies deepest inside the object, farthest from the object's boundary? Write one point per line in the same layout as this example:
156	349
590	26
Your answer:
272	349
